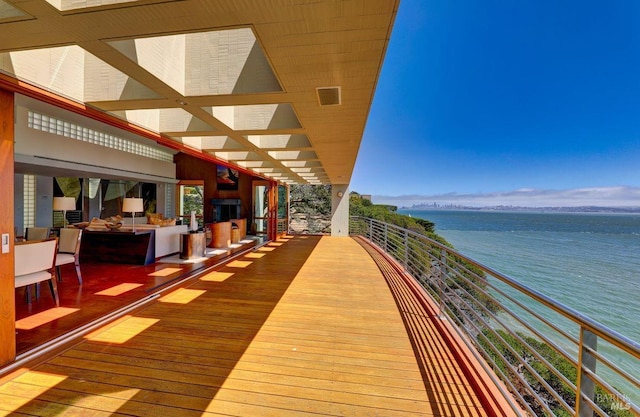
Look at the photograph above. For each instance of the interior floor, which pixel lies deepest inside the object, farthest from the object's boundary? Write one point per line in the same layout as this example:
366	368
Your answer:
105	289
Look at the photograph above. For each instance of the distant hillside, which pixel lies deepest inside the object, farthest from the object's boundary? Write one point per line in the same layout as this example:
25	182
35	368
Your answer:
580	209
387	213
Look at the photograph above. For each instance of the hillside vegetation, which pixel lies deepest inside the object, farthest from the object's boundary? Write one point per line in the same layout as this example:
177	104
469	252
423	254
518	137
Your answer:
359	206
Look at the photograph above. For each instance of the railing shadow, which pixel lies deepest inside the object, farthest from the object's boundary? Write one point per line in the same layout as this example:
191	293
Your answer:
541	352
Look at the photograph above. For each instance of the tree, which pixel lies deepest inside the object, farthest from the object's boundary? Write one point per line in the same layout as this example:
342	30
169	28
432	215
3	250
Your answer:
311	199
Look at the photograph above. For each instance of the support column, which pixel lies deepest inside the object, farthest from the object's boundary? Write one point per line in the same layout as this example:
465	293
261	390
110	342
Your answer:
272	223
7	278
340	210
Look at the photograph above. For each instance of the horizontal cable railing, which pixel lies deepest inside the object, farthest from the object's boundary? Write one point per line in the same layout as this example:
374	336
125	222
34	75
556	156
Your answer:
552	359
282	225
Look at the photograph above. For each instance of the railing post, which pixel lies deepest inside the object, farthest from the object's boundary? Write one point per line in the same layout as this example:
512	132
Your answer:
371	230
441	284
406	250
586	386
386	237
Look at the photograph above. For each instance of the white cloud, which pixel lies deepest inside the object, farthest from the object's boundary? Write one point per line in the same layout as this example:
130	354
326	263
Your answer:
621	196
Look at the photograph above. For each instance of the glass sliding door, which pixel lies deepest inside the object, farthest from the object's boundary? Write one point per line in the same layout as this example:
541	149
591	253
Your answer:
260	208
265	209
191	198
283	209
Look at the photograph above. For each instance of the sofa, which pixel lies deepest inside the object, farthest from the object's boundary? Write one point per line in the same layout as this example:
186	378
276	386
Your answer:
167	237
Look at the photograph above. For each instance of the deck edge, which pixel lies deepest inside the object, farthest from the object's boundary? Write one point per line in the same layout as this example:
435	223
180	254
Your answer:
485	385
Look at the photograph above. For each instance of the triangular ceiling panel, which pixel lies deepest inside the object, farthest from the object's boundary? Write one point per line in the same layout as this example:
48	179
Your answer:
163	56
8	12
257	117
207	63
164	120
279	141
64	5
210	143
74	73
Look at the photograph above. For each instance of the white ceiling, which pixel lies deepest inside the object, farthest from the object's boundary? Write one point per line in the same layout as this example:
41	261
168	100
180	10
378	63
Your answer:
235	79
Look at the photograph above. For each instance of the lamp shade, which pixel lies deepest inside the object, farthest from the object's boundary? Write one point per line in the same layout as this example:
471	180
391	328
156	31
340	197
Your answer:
132	205
64	203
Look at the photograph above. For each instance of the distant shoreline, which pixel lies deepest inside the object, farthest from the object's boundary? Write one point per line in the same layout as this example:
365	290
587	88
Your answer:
580	209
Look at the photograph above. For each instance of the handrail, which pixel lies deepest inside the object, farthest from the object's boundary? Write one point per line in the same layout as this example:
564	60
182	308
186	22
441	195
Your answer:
553	359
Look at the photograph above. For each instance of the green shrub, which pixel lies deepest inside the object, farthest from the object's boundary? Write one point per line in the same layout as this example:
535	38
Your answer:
508	364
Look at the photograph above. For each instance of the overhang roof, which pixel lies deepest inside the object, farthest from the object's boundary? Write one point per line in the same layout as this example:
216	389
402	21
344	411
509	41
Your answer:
281	88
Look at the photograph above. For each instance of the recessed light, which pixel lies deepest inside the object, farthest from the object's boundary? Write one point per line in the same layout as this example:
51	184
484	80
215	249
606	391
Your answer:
329	96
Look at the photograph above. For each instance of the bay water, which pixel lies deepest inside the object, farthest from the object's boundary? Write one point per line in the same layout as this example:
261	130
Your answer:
587	261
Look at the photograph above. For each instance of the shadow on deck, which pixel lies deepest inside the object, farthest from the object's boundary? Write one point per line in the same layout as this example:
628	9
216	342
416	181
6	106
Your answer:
303	325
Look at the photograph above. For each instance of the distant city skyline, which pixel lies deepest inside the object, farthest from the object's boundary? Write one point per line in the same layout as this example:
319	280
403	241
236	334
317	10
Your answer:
479	100
597	196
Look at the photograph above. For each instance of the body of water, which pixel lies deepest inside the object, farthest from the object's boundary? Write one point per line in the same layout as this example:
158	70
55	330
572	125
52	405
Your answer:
589	262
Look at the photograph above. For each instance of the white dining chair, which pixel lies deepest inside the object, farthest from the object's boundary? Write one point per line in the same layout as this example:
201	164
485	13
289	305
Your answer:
37	233
35	263
68	249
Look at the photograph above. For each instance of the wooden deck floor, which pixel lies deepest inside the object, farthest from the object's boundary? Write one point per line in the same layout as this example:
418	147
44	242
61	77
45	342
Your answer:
302	326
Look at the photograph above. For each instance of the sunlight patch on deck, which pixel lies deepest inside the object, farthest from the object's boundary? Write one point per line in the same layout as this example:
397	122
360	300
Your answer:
239	264
119	289
47	316
217	276
123	331
110	404
181	296
164	272
25	388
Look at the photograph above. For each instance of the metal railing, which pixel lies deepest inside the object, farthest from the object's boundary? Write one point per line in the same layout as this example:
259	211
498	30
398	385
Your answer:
552	359
283	225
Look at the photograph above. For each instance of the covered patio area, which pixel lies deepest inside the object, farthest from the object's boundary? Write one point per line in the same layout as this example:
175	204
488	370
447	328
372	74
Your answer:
302	325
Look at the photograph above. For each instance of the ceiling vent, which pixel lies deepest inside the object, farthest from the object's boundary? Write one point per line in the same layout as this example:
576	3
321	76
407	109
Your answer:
329	96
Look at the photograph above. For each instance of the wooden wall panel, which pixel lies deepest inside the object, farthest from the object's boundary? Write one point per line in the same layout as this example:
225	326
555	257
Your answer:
192	168
7	288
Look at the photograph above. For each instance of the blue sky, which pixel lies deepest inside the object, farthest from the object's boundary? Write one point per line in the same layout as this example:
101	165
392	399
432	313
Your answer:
485	98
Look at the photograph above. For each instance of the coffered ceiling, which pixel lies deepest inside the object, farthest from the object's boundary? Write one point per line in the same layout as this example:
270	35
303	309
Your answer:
281	88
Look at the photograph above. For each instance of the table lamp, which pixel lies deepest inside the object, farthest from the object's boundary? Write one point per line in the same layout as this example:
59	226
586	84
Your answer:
63	204
132	205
